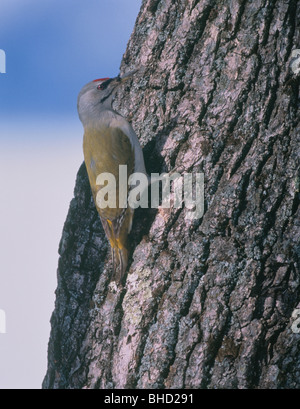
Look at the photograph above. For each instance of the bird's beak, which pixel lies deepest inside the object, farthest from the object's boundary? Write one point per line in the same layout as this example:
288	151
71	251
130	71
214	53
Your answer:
128	75
120	79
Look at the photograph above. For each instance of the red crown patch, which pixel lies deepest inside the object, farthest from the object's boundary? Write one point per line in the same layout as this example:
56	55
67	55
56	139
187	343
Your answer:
101	79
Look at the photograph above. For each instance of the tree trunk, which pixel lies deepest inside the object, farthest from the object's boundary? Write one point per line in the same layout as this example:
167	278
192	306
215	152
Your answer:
208	303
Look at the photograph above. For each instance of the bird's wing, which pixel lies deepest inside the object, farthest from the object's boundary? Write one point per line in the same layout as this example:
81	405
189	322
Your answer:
104	150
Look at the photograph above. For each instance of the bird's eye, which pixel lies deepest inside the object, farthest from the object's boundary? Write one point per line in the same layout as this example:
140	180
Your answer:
101	86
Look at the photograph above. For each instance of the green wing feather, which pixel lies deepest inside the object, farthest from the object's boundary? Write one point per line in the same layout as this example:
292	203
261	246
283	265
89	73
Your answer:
104	150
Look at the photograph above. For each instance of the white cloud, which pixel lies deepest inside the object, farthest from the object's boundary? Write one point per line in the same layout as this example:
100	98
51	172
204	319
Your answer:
37	181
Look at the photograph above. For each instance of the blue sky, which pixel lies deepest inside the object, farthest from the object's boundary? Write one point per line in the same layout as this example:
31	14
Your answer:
52	49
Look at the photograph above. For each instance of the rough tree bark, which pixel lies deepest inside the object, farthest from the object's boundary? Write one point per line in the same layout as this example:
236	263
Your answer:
207	303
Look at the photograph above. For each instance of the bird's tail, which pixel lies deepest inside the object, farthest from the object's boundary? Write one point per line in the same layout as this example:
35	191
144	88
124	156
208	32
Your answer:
117	231
120	261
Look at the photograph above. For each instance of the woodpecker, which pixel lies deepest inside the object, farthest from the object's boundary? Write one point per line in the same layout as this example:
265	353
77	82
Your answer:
109	141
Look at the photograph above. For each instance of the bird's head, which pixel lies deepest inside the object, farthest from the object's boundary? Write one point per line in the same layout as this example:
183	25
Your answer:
97	96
